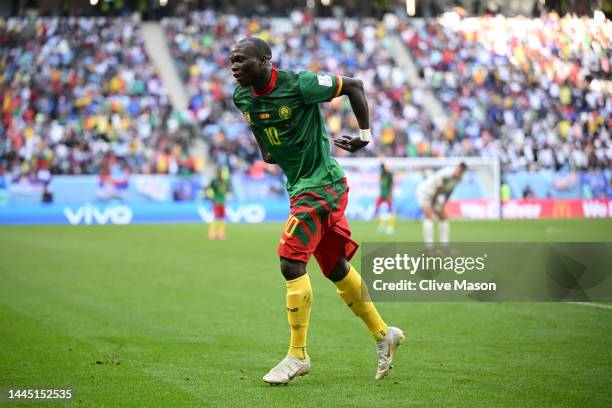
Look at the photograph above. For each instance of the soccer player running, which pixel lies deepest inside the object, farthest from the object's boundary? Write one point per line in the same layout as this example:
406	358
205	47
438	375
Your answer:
432	195
386	197
216	192
282	109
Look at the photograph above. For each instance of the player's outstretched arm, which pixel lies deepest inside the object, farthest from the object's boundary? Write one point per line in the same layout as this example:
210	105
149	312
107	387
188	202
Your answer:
435	204
353	88
267	157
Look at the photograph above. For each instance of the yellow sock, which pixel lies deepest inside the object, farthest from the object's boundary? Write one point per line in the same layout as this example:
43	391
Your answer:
299	301
356	297
221	227
211	228
392	220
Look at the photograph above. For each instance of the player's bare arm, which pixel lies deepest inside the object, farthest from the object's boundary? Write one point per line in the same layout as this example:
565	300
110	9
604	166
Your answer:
353	88
434	199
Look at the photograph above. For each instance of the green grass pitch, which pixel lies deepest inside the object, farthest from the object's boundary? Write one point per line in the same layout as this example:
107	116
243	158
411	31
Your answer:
158	316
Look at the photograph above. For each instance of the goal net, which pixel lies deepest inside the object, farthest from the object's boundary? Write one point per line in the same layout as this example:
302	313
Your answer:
476	197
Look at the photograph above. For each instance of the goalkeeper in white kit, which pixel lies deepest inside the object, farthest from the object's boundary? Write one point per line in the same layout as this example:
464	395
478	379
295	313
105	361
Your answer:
432	195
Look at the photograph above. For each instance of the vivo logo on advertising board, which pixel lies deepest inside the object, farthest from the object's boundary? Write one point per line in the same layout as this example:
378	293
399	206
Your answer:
250	213
478	210
89	214
595	209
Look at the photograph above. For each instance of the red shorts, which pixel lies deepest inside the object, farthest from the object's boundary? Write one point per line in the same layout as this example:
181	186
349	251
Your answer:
219	211
317	226
381	200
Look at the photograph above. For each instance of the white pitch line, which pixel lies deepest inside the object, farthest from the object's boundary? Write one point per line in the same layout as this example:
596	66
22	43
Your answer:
590	304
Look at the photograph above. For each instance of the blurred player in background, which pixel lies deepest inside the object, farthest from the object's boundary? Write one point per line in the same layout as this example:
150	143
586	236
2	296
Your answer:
432	194
282	109
217	192
386	217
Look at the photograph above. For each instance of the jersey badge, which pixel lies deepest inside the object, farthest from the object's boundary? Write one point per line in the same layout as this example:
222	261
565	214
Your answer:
284	112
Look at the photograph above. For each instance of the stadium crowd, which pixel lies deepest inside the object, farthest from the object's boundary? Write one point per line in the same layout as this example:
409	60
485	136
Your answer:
81	96
201	43
535	92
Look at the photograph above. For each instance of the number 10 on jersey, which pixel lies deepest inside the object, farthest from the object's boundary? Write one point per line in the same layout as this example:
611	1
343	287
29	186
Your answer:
272	135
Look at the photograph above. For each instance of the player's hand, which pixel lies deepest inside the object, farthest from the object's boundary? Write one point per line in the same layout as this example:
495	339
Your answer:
350	144
439	207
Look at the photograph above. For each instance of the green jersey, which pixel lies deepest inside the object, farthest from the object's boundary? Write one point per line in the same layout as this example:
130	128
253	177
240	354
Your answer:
386	184
218	190
286	120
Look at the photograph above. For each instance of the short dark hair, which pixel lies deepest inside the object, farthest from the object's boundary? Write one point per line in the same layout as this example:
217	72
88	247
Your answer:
262	49
463	166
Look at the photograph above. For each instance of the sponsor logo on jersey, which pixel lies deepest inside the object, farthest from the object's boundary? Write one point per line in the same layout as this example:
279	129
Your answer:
284	112
264	116
247	116
325	80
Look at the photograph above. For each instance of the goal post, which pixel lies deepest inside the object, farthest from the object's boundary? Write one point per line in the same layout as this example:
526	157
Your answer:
477	196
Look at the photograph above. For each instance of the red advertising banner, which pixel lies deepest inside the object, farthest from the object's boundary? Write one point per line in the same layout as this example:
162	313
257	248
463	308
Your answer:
534	208
531	209
479	209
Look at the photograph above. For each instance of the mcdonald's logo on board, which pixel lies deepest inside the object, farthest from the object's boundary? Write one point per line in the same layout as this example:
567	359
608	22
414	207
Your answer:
561	209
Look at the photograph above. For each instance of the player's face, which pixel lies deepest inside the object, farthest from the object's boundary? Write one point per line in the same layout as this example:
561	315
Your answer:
245	65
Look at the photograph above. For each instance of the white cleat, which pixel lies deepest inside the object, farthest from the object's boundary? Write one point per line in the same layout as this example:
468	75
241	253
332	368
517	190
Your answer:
289	368
386	350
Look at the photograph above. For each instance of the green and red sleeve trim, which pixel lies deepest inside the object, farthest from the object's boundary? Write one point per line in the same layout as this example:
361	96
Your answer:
338	86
